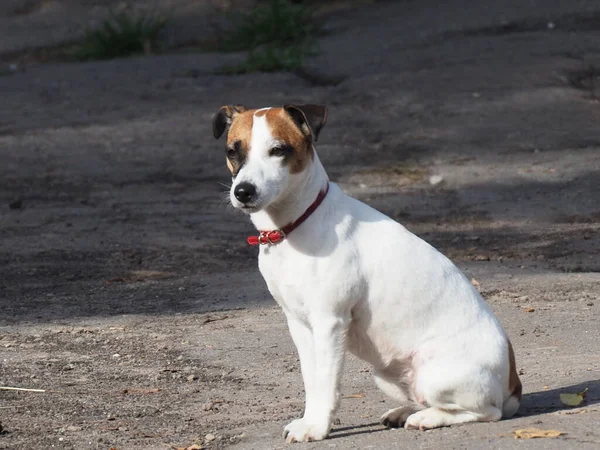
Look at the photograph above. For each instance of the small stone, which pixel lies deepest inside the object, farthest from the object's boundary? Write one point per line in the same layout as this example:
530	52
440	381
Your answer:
482	258
434	180
209	437
68	367
208	406
73	428
192	377
116	355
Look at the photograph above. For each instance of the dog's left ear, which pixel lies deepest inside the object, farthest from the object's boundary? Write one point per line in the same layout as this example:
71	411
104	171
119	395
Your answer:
309	118
224	117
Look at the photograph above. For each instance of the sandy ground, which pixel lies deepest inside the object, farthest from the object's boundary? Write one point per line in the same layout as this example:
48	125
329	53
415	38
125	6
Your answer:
128	293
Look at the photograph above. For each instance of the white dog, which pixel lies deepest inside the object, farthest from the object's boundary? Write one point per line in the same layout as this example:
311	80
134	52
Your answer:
350	278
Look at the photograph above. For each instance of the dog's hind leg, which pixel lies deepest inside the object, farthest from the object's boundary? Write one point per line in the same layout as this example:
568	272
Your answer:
436	417
456	395
396	389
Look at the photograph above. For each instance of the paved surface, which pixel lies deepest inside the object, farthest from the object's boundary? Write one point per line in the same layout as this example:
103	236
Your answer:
127	291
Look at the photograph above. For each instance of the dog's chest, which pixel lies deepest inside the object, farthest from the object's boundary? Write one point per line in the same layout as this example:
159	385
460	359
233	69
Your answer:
290	279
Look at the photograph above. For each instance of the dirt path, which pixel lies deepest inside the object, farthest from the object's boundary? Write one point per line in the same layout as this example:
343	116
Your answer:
126	287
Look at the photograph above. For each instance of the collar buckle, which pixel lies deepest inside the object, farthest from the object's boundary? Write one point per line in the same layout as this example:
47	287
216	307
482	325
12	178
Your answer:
266	237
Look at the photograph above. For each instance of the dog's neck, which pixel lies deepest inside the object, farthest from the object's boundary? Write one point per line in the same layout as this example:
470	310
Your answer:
295	200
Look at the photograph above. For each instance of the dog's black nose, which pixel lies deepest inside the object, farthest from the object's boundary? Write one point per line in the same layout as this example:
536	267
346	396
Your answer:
244	192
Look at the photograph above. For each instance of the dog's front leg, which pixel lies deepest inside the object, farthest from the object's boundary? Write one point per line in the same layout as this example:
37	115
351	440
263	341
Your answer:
321	352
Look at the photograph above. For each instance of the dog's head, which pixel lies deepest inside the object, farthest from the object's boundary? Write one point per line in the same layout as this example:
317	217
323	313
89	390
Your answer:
267	150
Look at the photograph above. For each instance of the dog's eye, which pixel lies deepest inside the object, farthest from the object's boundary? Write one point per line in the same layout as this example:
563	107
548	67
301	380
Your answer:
233	151
281	150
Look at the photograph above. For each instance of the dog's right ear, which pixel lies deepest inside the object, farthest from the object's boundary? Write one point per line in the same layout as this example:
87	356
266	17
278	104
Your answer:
224	117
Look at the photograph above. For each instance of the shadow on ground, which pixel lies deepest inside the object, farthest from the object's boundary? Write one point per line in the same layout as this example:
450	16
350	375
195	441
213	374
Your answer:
544	402
143	270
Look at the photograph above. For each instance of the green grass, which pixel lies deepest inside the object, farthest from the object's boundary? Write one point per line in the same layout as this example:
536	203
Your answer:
278	36
122	34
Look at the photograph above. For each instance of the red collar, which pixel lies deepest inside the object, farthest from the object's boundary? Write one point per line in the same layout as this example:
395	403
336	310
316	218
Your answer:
275	236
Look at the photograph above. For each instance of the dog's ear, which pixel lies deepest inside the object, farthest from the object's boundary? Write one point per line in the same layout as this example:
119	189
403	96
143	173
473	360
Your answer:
224	117
309	118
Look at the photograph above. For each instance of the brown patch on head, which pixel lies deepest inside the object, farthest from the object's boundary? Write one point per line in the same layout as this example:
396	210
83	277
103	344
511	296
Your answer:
514	384
294	127
241	128
238	141
285	130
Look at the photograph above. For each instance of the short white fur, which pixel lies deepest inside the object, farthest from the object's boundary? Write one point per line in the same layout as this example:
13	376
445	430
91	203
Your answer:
351	278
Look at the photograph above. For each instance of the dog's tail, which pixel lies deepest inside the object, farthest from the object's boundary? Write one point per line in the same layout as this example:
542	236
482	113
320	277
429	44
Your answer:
512	403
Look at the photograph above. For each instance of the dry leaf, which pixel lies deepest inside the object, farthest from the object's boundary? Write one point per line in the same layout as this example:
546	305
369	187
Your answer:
573	399
534	433
354	396
529	309
474	282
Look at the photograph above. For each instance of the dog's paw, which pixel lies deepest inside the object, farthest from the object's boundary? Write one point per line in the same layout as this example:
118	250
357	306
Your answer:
302	430
424	420
395	418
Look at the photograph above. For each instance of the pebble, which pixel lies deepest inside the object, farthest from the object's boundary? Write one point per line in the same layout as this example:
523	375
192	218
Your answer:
434	180
208	406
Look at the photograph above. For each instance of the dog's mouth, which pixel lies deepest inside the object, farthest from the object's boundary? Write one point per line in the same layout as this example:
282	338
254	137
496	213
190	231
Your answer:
248	208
